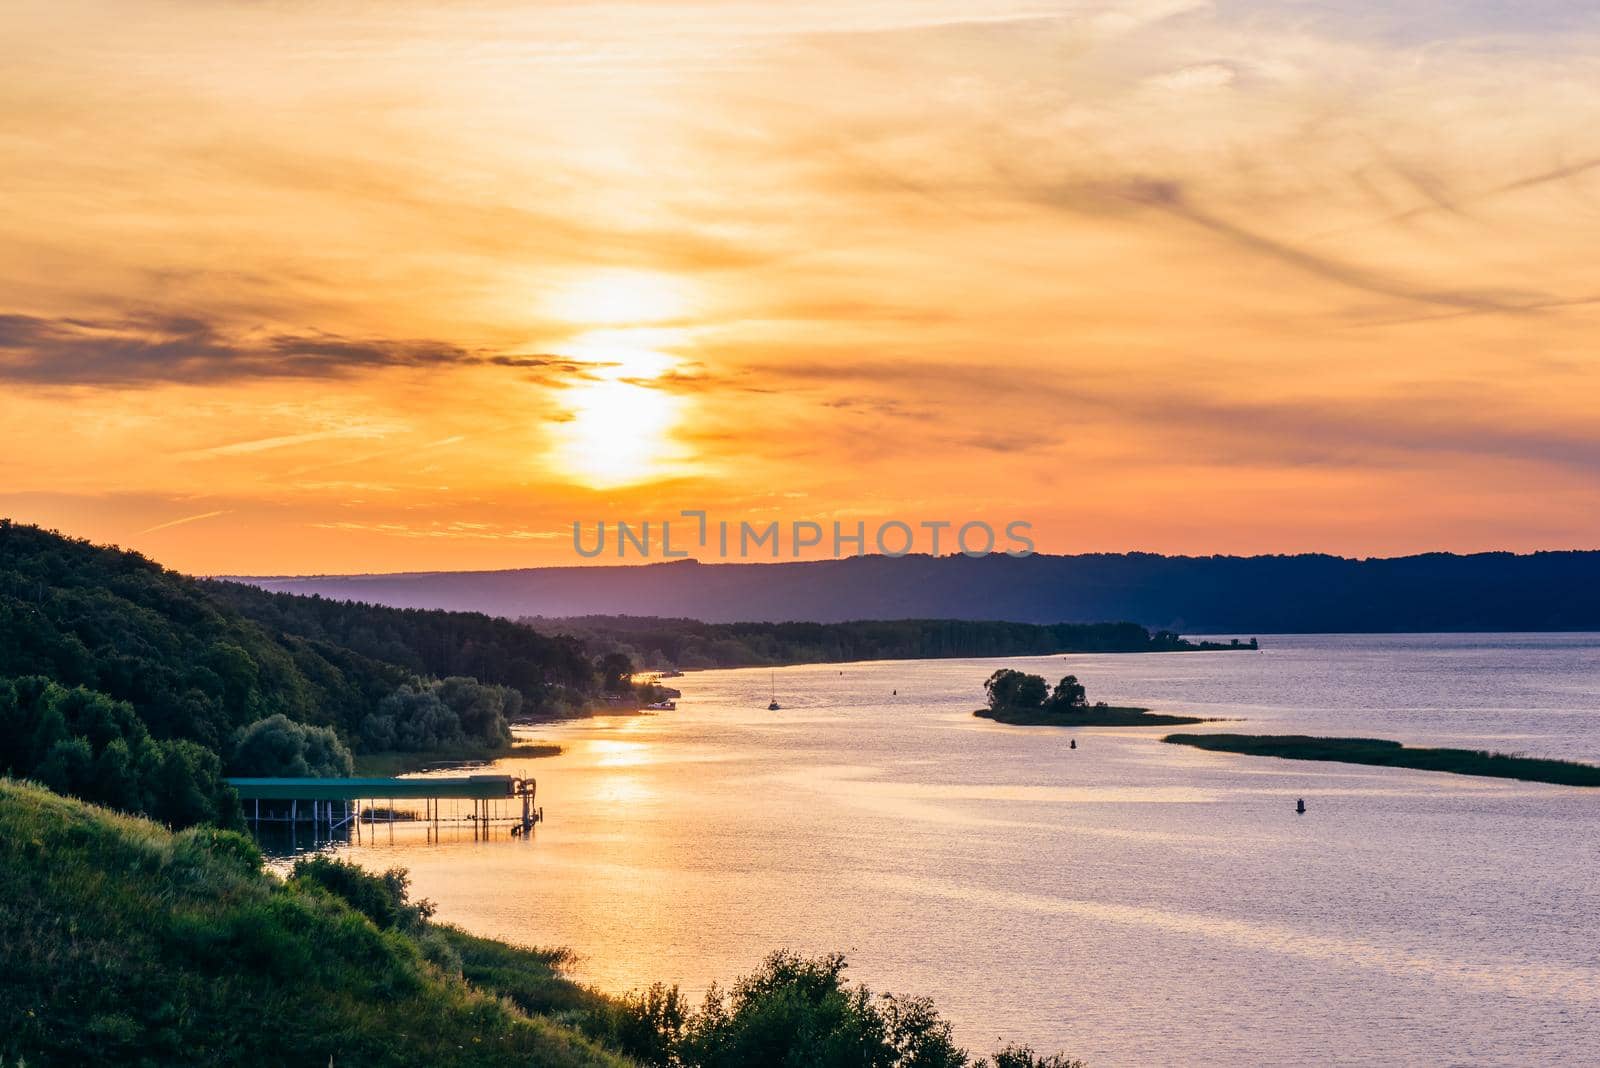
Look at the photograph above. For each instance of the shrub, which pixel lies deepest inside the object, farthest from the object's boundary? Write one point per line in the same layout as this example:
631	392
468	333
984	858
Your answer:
796	1011
1009	688
1023	1057
278	746
82	743
441	714
383	899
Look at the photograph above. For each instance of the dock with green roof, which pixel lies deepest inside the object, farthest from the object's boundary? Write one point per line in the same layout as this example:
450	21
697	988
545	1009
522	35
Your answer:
342	805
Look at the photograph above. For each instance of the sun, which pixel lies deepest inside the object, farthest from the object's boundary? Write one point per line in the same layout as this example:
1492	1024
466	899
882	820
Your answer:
621	415
619	434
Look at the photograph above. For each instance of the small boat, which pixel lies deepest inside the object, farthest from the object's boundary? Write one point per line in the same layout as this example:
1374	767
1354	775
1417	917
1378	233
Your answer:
662	706
774	706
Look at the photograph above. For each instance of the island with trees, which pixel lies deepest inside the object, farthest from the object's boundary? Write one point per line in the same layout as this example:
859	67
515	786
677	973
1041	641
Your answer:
1025	700
1382	752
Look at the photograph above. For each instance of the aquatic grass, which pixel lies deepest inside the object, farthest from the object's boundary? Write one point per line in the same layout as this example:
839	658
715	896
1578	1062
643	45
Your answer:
1382	752
391	764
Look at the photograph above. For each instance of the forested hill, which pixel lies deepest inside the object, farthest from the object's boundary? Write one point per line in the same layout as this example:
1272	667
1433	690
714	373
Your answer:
126	683
1191	594
654	643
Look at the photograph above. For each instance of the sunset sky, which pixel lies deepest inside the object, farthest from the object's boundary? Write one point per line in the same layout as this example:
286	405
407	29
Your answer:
328	287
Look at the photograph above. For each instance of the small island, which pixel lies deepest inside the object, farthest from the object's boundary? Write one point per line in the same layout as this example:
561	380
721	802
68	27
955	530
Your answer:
1024	700
1384	753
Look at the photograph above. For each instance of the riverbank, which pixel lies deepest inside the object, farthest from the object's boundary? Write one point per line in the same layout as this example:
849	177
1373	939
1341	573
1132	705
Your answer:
1088	716
389	765
1384	753
124	942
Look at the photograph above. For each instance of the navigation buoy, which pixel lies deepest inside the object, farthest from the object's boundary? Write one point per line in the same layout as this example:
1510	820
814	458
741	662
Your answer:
1073	744
1300	806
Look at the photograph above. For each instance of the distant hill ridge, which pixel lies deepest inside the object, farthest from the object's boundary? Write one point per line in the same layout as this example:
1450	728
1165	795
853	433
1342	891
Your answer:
1194	594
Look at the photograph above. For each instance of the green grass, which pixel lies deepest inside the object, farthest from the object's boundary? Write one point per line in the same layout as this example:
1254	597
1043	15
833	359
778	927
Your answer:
1088	716
122	942
1384	753
388	765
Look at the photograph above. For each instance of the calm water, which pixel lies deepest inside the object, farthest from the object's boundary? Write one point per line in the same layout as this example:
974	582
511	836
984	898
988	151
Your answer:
1131	902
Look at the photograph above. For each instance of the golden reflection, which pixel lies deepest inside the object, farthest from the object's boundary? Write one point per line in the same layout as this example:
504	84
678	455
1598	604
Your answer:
624	790
611	754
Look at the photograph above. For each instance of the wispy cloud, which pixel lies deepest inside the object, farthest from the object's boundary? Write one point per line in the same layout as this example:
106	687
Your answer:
180	522
284	441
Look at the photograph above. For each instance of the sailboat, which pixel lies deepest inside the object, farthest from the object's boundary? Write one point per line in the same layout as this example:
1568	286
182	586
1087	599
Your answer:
774	706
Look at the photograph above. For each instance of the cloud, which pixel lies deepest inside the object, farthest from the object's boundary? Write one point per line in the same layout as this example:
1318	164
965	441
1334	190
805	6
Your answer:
144	350
1404	427
1171	197
285	441
181	522
1399	426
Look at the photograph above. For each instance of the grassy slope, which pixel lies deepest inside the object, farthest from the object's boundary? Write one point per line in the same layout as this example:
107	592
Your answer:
1092	716
1384	753
122	942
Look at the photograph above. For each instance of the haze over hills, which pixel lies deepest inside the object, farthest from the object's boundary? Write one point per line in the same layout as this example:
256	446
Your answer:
1206	594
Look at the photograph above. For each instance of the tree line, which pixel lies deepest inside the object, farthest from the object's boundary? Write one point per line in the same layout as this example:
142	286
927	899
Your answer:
128	684
685	644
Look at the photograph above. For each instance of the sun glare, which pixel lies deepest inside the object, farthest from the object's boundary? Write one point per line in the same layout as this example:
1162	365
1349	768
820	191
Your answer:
620	430
620	298
621	418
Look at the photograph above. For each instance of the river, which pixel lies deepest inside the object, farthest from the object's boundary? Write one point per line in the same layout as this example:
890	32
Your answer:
1130	902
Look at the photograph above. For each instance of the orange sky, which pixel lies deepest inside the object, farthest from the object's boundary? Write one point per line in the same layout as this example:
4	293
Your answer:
295	287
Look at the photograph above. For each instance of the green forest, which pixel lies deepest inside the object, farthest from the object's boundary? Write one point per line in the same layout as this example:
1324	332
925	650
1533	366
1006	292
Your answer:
128	684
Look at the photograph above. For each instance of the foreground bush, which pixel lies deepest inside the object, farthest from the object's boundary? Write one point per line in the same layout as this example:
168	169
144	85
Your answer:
798	1012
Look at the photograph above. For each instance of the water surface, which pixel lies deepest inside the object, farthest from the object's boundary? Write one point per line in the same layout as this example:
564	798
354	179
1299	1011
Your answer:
1131	902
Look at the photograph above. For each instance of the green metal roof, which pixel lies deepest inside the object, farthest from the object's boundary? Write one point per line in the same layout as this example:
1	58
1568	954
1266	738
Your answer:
287	789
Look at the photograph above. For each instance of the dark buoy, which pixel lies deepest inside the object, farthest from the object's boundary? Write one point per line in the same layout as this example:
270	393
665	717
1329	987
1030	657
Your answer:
894	693
1073	744
1300	806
